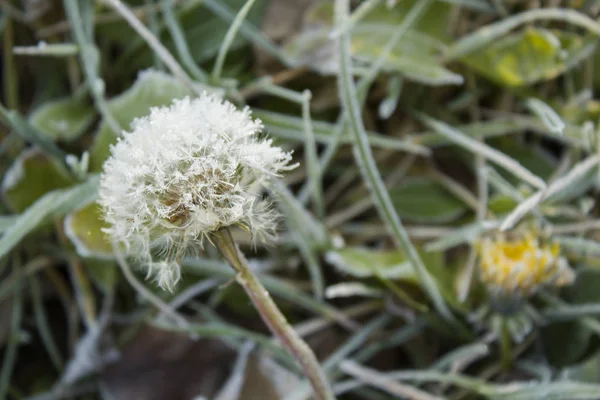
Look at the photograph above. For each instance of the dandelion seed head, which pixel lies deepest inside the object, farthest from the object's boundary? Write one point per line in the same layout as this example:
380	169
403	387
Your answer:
185	171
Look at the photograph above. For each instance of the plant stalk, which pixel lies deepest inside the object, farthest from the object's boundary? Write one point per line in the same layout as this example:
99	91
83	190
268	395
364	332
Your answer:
505	345
271	315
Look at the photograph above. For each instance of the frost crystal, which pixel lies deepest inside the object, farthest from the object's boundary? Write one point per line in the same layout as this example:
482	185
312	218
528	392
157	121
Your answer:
183	172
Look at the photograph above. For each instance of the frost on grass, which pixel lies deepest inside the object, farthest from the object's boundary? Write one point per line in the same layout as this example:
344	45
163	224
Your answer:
183	172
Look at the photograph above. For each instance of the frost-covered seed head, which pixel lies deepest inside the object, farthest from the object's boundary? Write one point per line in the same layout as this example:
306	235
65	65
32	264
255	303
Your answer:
183	172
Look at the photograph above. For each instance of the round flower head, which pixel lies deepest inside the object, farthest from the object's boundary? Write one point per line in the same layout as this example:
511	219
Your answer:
185	171
516	268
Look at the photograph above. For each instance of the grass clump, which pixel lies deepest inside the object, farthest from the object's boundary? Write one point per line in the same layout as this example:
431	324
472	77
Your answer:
438	240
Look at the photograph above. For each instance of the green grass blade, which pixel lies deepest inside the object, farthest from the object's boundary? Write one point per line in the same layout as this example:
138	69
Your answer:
180	41
55	203
90	59
10	352
247	29
368	168
229	36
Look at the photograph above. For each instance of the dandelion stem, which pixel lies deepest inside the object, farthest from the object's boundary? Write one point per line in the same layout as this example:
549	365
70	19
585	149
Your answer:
271	315
505	345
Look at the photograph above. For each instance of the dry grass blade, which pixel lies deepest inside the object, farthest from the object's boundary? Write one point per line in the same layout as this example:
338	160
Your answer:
373	378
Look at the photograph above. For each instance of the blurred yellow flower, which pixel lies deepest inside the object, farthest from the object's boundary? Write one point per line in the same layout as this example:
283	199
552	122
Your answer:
518	267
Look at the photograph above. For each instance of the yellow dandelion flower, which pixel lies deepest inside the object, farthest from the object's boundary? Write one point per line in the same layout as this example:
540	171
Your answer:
518	267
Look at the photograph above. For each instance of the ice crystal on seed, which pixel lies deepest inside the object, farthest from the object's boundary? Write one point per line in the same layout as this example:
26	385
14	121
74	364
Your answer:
185	171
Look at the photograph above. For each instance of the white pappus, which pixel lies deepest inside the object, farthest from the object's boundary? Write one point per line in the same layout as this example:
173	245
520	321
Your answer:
184	171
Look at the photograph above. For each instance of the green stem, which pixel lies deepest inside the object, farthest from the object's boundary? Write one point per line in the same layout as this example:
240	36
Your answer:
271	315
400	293
90	60
11	93
180	40
368	167
505	344
228	40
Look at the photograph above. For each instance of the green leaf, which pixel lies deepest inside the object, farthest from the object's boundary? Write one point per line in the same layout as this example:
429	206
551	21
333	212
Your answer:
426	201
573	337
350	289
152	88
63	119
433	22
365	263
362	262
578	112
585	289
416	56
564	343
104	273
530	156
53	204
587	371
84	228
31	175
529	56
14	120
501	204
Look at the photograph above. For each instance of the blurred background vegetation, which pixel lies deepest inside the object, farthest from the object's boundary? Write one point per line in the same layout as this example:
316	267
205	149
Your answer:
465	118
